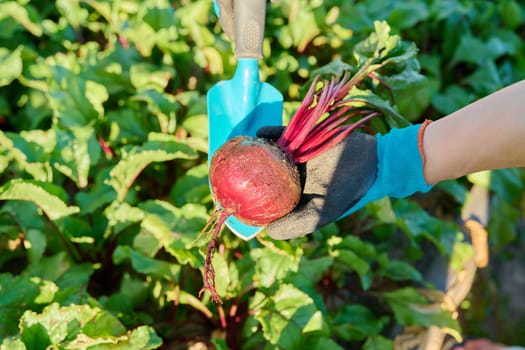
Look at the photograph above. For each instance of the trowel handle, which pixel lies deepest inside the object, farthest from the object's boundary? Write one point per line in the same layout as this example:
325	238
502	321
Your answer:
250	16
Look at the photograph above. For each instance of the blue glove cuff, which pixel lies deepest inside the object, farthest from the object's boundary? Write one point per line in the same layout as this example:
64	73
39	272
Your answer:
399	167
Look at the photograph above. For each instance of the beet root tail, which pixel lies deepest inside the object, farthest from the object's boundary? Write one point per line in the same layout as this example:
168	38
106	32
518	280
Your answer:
213	228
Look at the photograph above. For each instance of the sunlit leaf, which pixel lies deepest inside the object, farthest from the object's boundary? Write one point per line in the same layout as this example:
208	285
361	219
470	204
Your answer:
173	227
228	282
76	151
10	65
28	156
57	323
104	187
382	209
289	315
22	15
133	162
302	27
377	45
12	344
76	101
145	75
272	266
46	196
72	11
121	215
164	106
143	36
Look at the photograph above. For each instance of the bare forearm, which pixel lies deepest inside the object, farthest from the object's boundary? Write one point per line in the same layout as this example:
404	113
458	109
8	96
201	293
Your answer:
487	134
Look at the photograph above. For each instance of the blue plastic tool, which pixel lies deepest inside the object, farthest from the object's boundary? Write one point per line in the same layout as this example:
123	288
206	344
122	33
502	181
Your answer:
243	104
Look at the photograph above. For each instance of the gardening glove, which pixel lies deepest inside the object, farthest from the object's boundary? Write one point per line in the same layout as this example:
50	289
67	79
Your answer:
357	171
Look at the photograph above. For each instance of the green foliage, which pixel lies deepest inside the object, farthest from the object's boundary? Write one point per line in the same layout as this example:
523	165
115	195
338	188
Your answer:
104	188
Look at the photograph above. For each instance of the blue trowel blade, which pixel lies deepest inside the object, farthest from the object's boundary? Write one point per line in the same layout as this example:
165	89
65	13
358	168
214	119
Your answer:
241	106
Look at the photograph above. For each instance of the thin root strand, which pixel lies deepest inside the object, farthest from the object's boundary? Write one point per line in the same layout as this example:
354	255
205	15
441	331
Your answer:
213	227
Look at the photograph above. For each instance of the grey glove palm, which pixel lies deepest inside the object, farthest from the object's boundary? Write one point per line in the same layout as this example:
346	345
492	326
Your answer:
332	183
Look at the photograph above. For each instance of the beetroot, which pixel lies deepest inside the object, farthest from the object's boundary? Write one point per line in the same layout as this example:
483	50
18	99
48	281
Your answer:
257	180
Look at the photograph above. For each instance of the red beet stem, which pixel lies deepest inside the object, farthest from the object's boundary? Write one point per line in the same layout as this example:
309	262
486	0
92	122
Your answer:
329	141
332	122
308	134
327	127
308	120
293	130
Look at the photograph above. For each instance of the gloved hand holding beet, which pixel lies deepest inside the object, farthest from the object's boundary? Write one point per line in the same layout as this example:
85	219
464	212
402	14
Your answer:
488	134
361	168
358	170
318	169
332	183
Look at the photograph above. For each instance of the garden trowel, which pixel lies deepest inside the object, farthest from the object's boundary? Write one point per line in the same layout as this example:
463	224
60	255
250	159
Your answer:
242	105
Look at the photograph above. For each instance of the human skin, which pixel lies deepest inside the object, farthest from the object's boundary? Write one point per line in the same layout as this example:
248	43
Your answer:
487	134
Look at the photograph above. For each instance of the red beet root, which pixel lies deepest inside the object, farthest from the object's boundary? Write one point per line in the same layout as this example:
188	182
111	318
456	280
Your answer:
254	180
257	180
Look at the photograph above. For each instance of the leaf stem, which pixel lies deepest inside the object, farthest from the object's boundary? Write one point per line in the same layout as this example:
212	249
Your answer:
222	316
372	75
72	249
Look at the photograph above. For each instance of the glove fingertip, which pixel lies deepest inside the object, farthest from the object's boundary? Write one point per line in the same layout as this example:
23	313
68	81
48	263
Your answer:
282	235
288	227
271	132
